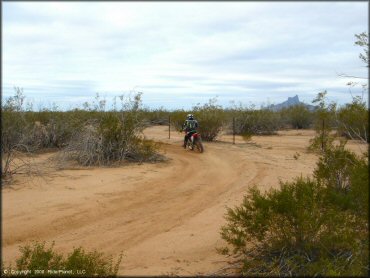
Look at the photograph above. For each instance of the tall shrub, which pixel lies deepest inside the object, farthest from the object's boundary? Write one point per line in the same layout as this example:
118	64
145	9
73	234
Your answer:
297	116
311	226
257	122
113	137
324	122
211	119
178	118
353	120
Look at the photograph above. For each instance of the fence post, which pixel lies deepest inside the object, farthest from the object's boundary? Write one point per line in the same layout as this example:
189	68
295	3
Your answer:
169	127
233	130
322	135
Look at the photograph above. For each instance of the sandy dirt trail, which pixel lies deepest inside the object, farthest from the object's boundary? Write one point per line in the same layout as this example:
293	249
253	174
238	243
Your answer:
165	217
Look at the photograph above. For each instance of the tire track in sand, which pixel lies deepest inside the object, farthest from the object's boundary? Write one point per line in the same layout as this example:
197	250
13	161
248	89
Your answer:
165	217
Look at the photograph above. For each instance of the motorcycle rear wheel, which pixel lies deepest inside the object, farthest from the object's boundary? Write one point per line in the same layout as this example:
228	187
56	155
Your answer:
199	146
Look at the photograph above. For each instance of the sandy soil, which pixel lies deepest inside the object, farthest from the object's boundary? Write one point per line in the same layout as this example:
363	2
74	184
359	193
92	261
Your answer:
165	217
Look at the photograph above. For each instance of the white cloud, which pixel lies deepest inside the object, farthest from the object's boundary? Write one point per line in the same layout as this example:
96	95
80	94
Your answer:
182	50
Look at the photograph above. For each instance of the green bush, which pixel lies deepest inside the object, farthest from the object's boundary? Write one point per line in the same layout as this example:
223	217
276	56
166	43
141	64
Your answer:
91	137
335	166
13	122
156	116
353	120
211	119
14	133
257	122
58	127
297	116
269	230
112	137
324	122
178	118
37	256
35	130
94	263
316	226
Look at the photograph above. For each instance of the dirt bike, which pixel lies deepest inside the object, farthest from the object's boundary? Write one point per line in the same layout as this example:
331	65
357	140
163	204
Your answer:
195	142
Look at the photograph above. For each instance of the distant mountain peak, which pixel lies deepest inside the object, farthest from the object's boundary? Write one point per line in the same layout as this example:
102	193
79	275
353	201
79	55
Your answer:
292	101
295	98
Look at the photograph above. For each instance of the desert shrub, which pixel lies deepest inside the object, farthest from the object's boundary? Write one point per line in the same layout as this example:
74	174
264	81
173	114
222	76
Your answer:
324	122
58	127
311	226
211	119
156	116
112	137
93	262
15	130
37	256
178	118
297	116
13	122
13	127
335	166
144	150
280	222
37	129
359	189
257	122
353	120
346	177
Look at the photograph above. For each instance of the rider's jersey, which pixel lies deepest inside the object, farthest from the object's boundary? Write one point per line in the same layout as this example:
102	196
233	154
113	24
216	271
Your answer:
190	125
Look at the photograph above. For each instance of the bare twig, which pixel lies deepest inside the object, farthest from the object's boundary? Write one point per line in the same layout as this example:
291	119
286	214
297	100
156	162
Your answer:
351	76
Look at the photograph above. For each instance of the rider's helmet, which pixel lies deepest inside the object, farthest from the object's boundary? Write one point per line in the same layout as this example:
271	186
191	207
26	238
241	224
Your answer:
190	117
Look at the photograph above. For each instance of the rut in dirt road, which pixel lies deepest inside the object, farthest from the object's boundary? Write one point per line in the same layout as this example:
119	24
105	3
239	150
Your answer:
165	217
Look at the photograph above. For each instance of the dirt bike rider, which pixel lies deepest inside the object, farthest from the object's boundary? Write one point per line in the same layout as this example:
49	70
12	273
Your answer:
190	125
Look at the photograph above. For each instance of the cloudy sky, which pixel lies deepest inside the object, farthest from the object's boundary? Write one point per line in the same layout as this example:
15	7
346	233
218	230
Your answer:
181	53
